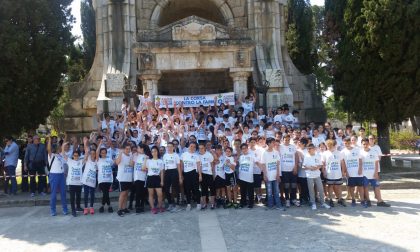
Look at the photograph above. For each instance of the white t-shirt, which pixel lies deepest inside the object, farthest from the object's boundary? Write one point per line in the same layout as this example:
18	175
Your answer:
378	151
139	161
302	153
219	167
57	165
287	155
317	140
246	167
125	170
74	175
190	161
171	161
314	160
248	107
206	159
278	118
154	167
259	151
351	158
271	159
105	170
89	174
369	159
228	162
332	164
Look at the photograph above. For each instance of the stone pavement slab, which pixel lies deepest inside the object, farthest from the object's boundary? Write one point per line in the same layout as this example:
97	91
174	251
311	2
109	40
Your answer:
339	229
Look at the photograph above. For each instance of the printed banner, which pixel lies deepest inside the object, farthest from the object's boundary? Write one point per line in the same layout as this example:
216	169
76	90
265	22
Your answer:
195	100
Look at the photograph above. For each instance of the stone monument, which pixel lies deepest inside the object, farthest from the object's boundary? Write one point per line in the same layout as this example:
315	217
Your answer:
176	47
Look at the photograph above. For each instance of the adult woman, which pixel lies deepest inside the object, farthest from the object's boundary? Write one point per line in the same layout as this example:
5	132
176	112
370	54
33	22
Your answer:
143	153
125	177
155	171
56	177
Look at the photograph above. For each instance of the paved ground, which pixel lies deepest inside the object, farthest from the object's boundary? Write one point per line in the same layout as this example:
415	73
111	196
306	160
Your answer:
339	229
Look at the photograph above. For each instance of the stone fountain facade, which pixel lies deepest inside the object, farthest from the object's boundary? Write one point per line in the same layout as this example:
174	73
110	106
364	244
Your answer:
176	47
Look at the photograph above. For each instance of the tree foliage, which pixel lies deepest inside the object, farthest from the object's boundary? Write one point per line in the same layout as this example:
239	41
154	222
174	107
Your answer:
88	27
299	35
34	40
376	57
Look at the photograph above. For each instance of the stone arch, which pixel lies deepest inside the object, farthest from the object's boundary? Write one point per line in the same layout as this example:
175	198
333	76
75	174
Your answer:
223	9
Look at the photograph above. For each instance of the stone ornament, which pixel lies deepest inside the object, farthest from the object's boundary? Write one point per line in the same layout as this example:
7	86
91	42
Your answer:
194	31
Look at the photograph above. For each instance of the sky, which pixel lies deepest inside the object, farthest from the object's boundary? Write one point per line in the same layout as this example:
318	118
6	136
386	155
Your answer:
75	7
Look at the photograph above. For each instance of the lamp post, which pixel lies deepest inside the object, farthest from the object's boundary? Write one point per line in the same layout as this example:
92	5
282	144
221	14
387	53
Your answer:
129	91
262	88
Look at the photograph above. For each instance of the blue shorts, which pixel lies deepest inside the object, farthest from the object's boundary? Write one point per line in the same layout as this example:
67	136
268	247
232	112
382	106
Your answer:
373	182
355	181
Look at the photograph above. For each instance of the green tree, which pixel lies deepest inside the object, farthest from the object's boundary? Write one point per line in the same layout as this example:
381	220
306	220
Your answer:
88	27
34	40
377	72
299	35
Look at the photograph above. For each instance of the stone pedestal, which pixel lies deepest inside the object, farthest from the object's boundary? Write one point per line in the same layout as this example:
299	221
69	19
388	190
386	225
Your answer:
240	81
150	80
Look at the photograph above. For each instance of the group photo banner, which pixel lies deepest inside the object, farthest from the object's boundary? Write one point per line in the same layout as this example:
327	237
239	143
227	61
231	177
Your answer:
195	100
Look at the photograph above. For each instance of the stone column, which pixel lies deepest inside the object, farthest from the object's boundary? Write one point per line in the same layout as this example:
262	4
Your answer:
240	81
150	80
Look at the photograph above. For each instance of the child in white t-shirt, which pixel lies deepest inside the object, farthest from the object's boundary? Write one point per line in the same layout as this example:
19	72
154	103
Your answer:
312	165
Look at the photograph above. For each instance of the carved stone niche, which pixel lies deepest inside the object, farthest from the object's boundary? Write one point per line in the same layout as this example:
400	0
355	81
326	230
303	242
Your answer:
147	61
194	31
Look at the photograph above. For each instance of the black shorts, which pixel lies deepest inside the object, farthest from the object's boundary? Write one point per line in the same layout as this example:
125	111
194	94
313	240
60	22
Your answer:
288	178
219	182
334	181
257	180
153	182
231	179
125	186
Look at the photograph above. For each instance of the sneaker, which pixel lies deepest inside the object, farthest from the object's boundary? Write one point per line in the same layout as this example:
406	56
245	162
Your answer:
162	209
287	203
110	210
204	207
176	209
198	207
326	206
101	209
138	210
296	203
120	213
364	204
188	207
228	205
280	208
92	211
65	212
235	205
85	211
331	202
43	194
169	209
79	209
130	207
154	211
212	207
32	195
342	202
314	206
126	211
353	202
73	212
250	206
53	214
383	204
